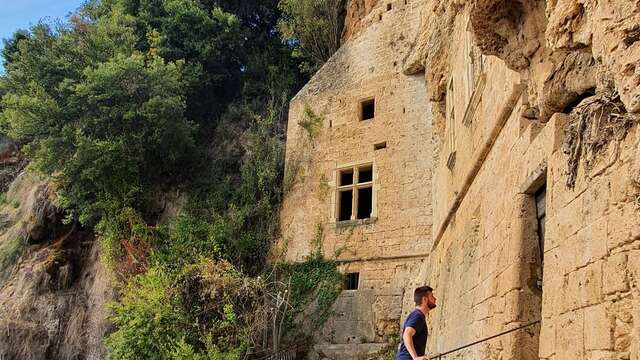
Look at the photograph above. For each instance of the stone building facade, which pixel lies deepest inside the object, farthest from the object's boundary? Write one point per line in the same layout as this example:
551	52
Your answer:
373	128
504	159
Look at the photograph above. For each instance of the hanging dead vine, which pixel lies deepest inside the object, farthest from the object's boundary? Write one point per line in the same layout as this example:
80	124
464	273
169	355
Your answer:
597	122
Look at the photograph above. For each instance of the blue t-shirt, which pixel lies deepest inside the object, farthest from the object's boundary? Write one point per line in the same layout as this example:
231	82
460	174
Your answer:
417	321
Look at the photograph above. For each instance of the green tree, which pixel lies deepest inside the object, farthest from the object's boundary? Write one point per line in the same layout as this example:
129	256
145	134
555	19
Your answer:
130	98
119	132
201	34
313	28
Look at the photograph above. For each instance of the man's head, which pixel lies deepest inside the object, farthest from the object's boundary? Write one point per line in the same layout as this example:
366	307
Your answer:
423	296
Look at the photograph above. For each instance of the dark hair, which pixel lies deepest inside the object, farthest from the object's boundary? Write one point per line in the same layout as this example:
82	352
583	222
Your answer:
421	292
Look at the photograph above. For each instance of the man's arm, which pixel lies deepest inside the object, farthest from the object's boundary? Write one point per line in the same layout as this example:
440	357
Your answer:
407	337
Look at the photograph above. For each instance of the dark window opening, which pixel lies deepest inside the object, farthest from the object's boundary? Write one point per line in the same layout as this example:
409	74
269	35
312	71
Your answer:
346	177
345	199
380	17
368	109
351	281
380	146
389	7
354	193
541	212
365	175
365	197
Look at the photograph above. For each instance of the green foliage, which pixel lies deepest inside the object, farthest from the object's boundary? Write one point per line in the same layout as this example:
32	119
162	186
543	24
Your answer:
240	192
315	284
188	240
148	320
98	128
126	241
208	40
193	313
130	98
311	122
313	28
9	253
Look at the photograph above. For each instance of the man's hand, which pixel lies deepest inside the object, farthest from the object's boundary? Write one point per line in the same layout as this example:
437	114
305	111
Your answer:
422	358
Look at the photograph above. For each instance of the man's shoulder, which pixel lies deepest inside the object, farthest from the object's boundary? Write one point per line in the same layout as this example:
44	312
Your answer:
416	313
415	319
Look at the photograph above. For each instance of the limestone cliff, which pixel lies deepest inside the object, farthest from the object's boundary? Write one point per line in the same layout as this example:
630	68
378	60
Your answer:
355	21
53	290
565	49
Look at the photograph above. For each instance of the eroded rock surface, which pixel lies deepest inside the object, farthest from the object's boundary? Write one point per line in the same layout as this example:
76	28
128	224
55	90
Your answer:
564	49
53	289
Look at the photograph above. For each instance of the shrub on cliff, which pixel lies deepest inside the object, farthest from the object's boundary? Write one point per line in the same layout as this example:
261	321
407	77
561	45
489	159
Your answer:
203	311
313	28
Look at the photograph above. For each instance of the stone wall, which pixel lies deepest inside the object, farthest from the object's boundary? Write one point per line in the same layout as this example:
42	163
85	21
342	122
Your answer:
519	128
482	104
386	249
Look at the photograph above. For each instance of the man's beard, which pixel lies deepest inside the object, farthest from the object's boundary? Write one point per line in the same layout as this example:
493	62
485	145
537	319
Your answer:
431	305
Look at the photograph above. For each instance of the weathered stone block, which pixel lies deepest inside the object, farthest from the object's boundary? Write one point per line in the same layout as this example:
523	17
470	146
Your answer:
615	268
570	336
598	330
547	339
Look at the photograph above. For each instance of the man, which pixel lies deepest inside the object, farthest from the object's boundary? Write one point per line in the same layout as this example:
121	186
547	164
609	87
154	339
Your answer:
414	330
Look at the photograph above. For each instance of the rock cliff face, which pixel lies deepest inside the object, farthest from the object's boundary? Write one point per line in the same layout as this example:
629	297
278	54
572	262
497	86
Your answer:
565	49
11	162
53	290
355	22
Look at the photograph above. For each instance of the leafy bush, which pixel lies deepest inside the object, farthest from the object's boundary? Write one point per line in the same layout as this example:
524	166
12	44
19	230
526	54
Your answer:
204	311
149	318
315	285
188	240
126	241
103	141
311	122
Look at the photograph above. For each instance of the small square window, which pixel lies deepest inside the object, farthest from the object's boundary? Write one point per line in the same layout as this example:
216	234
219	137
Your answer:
389	7
351	281
368	109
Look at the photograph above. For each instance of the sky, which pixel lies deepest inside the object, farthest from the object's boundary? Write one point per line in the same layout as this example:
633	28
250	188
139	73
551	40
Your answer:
20	14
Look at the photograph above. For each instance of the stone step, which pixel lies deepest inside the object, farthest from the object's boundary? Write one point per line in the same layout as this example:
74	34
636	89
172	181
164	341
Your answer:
346	351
